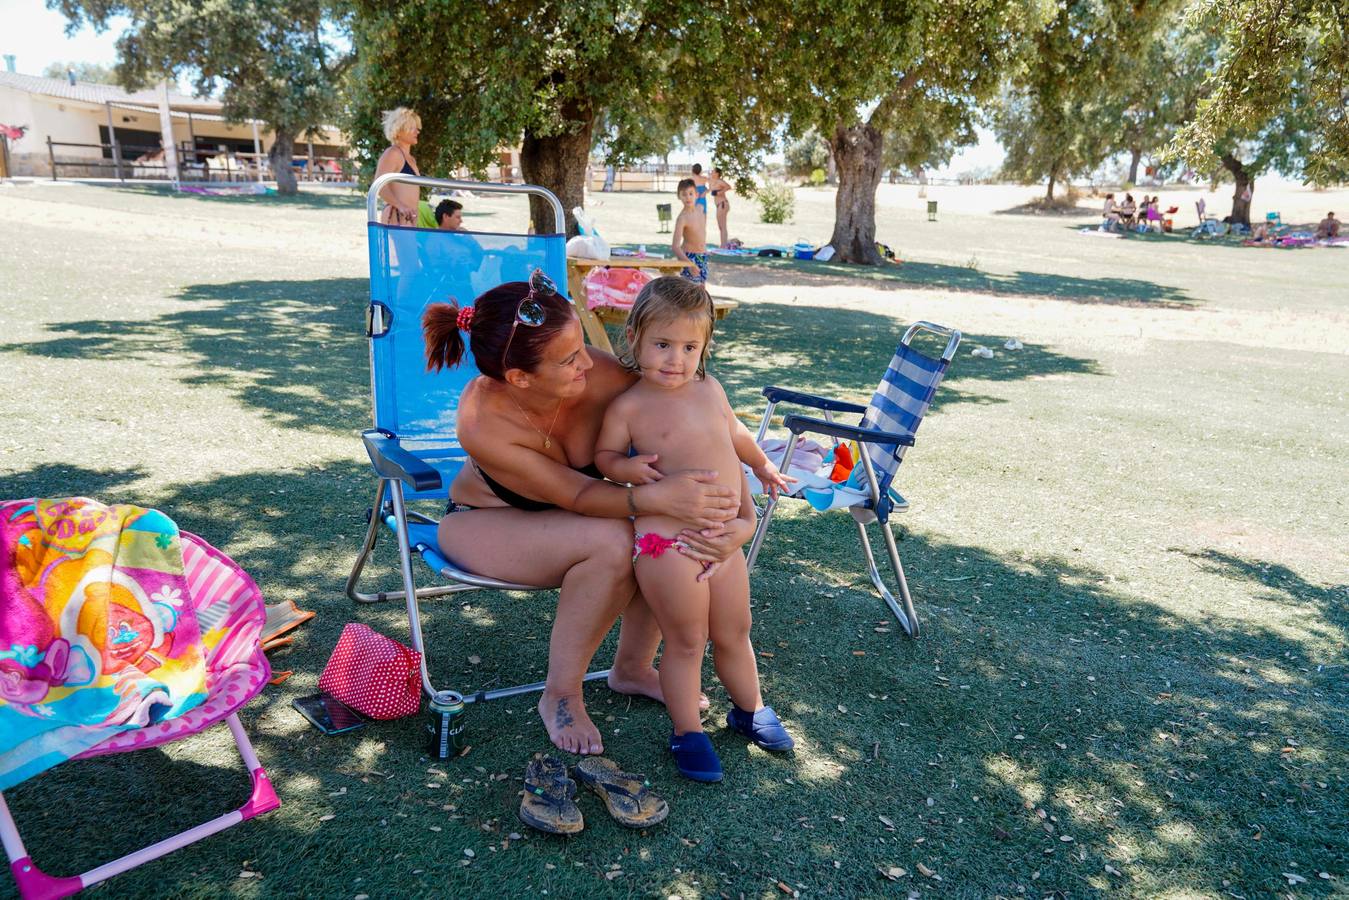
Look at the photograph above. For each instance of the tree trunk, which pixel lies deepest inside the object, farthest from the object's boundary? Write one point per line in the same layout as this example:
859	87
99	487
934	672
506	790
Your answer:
558	162
1135	154
831	168
1244	187
279	157
857	152
1049	192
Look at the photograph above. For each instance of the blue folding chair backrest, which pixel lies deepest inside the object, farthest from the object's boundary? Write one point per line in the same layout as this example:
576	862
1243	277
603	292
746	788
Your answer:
901	401
411	268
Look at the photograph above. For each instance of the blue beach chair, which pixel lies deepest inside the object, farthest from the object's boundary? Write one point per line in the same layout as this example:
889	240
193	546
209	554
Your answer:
884	433
412	447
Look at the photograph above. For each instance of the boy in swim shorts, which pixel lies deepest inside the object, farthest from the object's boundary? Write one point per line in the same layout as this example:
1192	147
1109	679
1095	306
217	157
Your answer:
690	234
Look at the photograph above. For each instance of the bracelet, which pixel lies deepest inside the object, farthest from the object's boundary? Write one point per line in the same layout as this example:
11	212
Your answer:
632	503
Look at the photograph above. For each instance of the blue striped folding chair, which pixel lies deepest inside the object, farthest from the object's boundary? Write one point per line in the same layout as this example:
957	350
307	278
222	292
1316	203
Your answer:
413	448
885	432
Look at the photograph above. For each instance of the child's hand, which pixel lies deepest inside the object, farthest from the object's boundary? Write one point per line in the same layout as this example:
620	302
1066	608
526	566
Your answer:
639	469
773	480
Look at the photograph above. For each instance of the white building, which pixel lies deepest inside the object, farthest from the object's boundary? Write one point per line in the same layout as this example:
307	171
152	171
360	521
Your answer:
78	117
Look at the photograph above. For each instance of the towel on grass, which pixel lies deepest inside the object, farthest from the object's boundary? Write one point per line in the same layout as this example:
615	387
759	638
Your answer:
98	634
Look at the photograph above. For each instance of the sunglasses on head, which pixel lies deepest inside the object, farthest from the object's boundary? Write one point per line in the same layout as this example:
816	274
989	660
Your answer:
530	312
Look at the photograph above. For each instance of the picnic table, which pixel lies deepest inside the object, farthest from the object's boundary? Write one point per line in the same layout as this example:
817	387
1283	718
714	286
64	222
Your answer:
594	320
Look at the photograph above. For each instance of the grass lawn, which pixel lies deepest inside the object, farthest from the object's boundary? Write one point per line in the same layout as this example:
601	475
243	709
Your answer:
1129	542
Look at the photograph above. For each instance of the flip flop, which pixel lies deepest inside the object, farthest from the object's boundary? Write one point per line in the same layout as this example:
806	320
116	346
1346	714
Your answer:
627	797
547	802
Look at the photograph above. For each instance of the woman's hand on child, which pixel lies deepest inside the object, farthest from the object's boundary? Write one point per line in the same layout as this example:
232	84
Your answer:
715	545
773	480
694	496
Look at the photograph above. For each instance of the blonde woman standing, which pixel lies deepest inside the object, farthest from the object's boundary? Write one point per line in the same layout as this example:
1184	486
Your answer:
402	126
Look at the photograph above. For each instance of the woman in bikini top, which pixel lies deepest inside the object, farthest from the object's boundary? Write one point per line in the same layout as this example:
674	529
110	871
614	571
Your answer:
402	127
530	508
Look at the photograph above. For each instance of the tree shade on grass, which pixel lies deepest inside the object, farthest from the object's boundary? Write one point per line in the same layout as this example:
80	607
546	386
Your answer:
1134	586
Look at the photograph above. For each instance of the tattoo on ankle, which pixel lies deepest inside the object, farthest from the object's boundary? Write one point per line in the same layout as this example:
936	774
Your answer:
564	718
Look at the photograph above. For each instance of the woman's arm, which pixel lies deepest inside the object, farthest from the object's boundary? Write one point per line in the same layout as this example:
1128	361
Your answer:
693	496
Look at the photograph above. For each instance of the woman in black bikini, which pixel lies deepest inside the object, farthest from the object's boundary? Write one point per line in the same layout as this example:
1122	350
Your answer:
402	127
720	188
532	508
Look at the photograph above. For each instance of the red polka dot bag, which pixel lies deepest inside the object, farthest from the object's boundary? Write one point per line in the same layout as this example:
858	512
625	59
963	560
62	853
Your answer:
373	674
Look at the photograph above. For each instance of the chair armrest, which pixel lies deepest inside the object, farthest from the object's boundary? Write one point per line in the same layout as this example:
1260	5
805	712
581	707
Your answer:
787	395
392	461
799	424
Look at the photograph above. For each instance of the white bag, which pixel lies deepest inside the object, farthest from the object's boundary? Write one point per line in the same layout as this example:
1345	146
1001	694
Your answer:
597	247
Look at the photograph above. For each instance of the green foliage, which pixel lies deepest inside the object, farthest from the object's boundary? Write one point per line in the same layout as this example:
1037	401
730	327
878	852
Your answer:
777	202
852	72
817	177
274	60
620	73
630	133
1059	115
803	155
1280	83
96	73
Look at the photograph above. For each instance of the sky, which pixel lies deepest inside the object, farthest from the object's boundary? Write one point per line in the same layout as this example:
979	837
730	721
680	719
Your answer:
36	37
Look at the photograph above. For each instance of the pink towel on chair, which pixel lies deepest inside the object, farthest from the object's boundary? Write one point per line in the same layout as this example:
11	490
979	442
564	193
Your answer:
98	631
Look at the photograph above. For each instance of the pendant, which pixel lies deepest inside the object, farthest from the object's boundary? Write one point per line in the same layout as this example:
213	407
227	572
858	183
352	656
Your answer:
547	443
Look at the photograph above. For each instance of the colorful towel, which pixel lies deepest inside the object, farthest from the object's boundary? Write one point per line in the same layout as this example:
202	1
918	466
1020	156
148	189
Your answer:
98	634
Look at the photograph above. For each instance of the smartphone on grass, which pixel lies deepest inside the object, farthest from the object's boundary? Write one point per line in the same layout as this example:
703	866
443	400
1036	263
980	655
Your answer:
328	714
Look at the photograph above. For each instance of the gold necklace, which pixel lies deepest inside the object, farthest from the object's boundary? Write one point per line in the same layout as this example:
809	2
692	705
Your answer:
547	438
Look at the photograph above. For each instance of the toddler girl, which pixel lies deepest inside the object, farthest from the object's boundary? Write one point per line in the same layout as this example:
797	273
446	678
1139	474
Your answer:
676	417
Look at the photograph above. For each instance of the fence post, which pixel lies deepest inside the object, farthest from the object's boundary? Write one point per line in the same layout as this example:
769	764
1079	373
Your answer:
257	150
112	139
51	156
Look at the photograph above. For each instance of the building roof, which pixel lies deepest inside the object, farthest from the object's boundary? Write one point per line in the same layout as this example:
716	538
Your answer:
89	92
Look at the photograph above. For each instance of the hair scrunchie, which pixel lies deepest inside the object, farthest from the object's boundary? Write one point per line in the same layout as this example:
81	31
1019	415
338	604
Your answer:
465	320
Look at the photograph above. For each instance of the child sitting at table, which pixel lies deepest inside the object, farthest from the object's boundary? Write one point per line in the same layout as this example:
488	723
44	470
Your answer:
677	417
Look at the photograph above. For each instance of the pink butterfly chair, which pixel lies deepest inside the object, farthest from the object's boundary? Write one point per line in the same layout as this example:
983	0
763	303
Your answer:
231	613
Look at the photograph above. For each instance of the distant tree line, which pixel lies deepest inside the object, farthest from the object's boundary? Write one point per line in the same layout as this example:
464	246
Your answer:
1216	86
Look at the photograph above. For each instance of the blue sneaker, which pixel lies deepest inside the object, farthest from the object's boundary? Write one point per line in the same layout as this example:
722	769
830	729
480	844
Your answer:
695	757
763	728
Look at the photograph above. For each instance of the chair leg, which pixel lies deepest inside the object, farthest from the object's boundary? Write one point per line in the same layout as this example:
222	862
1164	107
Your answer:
371	537
760	532
409	583
34	884
908	620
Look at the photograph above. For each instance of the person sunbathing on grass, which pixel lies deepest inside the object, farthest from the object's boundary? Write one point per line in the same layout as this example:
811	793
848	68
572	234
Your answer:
531	508
677	417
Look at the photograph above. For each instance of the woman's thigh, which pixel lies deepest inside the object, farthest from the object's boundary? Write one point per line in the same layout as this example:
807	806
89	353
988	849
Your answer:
529	547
